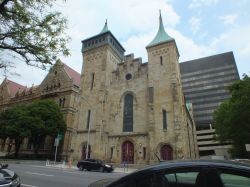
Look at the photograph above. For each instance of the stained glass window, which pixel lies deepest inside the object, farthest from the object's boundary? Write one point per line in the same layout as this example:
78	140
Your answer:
128	113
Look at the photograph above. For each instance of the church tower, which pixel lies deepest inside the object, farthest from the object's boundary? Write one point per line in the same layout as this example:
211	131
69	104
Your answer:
167	121
101	54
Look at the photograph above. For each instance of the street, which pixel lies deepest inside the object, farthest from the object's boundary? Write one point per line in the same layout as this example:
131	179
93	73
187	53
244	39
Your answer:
41	176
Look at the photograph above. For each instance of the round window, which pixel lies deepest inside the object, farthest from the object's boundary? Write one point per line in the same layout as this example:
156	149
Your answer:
128	76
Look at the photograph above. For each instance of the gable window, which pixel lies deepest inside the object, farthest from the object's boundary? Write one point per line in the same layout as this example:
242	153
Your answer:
128	113
164	117
161	61
62	102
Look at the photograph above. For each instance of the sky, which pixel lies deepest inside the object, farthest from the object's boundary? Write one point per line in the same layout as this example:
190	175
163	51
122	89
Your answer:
200	27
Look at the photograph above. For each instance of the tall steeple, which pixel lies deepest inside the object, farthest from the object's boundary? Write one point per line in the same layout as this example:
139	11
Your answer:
161	35
105	28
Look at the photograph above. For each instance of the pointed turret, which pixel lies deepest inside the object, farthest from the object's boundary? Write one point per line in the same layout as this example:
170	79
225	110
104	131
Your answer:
105	28
161	35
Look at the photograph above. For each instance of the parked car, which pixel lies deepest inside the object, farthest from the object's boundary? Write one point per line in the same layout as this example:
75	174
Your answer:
94	164
184	174
8	178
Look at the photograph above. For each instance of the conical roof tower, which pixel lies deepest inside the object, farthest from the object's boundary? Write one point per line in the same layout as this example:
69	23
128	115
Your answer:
161	35
105	28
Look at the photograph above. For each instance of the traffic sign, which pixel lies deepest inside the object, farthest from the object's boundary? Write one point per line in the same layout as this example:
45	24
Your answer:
59	136
247	147
56	143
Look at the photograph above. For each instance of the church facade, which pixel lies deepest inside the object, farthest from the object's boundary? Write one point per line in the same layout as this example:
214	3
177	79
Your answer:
131	111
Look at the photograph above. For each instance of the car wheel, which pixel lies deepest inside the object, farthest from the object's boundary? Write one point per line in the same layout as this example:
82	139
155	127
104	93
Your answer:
81	168
101	169
88	169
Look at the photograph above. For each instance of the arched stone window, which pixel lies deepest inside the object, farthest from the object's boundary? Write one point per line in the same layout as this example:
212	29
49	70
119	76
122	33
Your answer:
128	113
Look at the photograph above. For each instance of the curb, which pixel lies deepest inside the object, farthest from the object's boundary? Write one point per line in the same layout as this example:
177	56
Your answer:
116	170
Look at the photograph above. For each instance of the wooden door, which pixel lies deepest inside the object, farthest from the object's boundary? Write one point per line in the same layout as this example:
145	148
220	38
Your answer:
128	152
166	152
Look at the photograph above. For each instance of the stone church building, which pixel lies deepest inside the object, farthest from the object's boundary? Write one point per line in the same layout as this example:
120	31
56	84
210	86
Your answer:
131	111
119	109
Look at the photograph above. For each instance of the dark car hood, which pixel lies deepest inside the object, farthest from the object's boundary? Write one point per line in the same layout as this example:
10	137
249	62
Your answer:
102	182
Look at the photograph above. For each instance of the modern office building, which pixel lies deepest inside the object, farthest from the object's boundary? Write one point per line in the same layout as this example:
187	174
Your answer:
205	82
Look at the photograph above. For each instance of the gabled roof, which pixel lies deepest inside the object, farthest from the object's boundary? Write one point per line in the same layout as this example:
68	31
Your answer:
74	75
14	87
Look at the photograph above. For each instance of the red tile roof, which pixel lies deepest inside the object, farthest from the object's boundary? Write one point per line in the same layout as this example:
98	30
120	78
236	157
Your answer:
74	75
14	87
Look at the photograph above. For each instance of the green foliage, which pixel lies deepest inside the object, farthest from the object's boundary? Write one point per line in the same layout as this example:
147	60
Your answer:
232	118
31	31
36	121
49	112
14	123
52	121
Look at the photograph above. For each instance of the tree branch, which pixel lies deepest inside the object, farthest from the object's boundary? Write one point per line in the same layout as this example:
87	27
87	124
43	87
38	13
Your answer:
2	5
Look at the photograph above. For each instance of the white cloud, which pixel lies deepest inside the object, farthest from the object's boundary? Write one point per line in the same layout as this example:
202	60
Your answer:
229	19
195	24
125	19
188	49
200	3
235	40
135	23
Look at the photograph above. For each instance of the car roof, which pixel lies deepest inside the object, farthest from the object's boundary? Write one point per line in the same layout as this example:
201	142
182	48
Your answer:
187	164
190	163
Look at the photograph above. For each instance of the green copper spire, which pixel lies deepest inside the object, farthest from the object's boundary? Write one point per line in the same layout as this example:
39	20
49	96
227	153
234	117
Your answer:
105	28
161	35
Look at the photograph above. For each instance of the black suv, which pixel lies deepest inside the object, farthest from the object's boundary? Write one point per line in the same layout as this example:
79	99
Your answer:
94	164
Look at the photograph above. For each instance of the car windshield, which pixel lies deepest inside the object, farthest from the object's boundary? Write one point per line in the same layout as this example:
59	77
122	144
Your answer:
100	161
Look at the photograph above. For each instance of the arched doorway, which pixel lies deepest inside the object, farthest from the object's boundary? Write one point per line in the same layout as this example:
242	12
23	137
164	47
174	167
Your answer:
166	152
128	152
84	150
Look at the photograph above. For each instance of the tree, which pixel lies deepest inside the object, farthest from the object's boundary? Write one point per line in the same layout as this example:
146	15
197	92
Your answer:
14	124
232	118
31	32
52	121
35	121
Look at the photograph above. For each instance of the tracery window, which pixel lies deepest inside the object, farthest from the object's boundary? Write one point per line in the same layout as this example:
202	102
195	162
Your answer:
128	113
